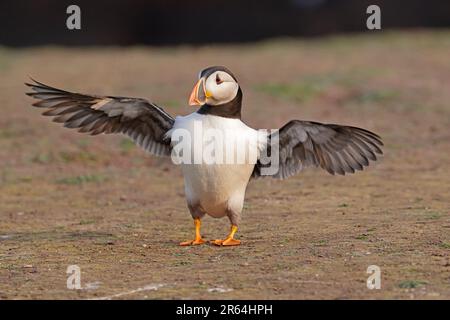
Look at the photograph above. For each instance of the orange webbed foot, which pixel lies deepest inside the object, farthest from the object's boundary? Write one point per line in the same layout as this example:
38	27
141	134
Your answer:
229	240
198	238
226	242
192	242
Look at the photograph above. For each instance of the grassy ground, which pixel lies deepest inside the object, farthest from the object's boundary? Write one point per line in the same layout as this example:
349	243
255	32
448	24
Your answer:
102	204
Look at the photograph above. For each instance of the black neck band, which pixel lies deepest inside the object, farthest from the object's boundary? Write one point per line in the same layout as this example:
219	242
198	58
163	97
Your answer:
230	109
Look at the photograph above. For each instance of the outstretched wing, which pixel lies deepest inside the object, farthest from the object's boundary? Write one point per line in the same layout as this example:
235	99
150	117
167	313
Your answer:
335	148
144	122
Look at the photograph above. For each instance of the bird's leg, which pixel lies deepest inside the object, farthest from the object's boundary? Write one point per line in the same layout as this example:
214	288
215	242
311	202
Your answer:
198	238
229	240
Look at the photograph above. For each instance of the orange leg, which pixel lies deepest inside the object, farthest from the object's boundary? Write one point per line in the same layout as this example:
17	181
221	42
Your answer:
229	240
198	238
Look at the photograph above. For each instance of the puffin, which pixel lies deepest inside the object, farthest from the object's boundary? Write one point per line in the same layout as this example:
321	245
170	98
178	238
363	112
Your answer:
213	186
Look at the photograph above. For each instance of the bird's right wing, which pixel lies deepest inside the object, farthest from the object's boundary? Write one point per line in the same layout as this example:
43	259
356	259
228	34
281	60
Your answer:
144	122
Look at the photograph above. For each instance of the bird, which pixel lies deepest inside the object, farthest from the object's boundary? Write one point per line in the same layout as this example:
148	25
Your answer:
213	188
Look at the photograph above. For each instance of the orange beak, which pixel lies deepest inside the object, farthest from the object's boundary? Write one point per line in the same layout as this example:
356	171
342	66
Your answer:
198	94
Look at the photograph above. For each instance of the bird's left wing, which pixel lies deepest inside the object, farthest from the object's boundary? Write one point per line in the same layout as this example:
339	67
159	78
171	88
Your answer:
335	148
144	122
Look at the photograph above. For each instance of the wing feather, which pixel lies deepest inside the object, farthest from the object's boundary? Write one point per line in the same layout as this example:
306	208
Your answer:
144	122
335	148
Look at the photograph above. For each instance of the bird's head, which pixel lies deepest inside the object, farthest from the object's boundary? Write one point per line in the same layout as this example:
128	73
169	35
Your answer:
216	86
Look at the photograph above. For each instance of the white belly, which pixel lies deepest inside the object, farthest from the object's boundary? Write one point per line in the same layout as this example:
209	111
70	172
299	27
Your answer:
220	185
217	188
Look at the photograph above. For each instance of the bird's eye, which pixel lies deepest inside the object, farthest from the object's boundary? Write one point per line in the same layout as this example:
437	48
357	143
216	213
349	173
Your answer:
218	80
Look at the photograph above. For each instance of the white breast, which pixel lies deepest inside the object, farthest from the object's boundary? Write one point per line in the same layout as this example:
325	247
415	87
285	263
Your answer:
223	153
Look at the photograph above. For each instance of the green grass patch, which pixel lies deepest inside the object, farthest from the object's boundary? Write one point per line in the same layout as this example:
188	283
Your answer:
182	263
83	143
173	103
445	245
6	134
85	222
82	179
312	86
433	215
298	91
320	243
65	157
105	242
126	145
375	96
130	225
411	284
362	237
42	158
7	58
82	157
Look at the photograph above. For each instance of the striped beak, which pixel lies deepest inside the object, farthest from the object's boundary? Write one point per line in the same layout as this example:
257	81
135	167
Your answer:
198	94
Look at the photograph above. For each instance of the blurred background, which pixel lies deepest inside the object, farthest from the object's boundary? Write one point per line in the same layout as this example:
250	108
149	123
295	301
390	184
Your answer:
164	22
105	205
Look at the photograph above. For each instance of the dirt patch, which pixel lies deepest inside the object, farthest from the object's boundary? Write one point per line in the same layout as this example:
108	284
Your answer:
102	204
